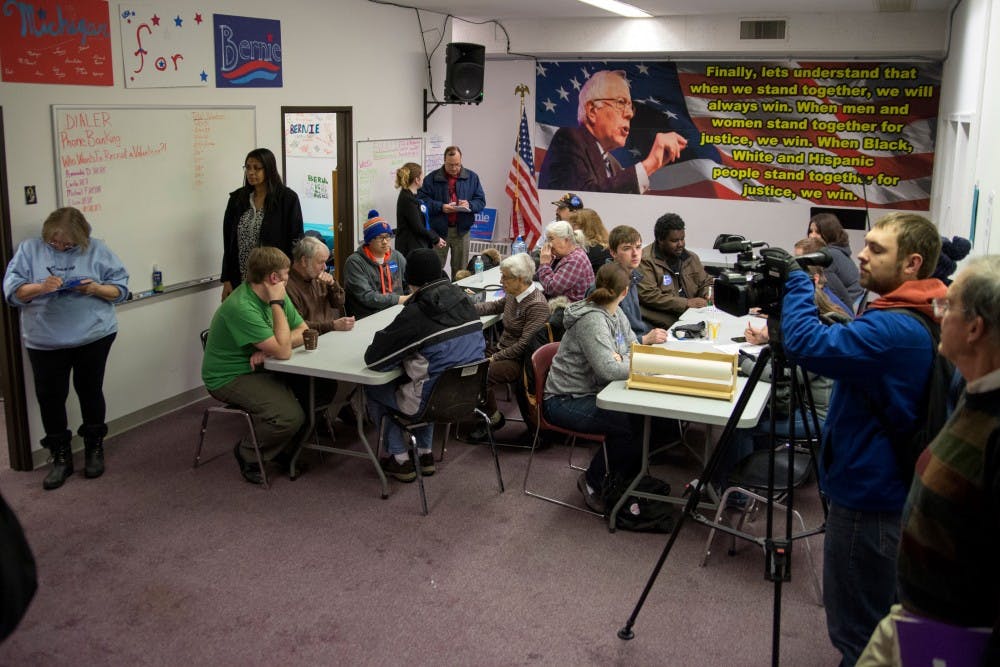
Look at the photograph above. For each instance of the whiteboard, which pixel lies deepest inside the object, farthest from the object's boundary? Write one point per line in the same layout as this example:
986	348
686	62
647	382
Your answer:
154	181
377	162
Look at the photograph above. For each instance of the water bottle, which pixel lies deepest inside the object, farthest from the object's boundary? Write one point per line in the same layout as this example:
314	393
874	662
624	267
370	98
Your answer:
519	246
479	268
157	279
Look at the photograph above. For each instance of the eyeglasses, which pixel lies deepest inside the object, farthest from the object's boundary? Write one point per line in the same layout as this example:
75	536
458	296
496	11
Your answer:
61	246
252	167
384	238
619	103
942	306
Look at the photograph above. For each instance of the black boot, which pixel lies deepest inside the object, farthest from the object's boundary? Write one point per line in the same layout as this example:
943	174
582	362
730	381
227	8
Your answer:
93	443
62	459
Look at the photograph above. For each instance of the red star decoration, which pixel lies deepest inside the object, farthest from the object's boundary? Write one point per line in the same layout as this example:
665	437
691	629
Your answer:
156	19
270	37
197	19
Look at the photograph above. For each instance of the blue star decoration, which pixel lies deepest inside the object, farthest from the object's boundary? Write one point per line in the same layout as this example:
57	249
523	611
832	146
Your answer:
178	21
204	75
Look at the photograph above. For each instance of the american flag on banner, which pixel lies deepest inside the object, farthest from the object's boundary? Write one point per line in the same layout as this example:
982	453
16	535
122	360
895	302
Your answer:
526	221
832	133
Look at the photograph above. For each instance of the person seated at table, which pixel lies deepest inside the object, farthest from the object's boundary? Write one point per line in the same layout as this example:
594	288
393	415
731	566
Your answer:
525	311
255	322
437	328
625	245
832	285
593	352
819	386
595	236
574	274
313	291
374	273
827	228
673	278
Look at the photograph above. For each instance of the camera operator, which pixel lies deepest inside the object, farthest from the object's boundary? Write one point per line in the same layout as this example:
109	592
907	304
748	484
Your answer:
673	279
880	361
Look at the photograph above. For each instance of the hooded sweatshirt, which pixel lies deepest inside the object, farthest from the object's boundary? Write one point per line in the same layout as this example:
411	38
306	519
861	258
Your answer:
371	286
881	359
585	362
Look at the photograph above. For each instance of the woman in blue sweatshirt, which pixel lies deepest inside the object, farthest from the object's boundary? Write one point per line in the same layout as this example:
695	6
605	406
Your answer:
65	284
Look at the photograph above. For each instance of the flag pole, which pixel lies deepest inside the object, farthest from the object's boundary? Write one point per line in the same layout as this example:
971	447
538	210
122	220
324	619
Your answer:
522	90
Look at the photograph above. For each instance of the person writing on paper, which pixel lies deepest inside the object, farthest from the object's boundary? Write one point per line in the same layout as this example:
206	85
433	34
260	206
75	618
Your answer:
412	231
374	273
673	278
946	566
525	311
573	275
261	213
65	284
453	196
593	352
843	273
625	245
314	292
579	158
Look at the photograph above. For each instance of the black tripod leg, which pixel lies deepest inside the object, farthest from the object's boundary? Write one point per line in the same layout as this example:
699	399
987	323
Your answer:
692	503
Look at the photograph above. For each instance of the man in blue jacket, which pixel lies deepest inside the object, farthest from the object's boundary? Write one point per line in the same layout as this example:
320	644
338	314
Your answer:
880	363
453	196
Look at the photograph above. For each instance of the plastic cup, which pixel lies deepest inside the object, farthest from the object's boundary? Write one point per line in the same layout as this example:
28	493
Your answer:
713	329
310	339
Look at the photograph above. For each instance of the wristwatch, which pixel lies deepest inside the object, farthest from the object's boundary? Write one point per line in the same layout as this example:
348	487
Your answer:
276	302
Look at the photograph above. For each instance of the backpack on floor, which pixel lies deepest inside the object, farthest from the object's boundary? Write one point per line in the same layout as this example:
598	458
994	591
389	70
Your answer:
642	515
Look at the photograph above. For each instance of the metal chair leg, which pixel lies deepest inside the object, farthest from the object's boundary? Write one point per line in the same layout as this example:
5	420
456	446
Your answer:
493	447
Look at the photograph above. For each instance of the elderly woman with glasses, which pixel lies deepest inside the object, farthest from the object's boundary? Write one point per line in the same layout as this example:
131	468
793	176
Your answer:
525	311
574	274
373	274
261	213
65	284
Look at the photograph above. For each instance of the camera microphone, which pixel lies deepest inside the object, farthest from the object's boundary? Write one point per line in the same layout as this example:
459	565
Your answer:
738	246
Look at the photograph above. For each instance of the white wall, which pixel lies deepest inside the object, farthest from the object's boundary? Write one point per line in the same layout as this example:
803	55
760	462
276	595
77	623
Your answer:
988	167
348	53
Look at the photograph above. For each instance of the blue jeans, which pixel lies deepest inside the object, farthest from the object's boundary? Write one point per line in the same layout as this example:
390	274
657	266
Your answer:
380	399
746	441
859	575
622	434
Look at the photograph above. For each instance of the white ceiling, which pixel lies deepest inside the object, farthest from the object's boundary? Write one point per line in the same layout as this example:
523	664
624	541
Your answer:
553	9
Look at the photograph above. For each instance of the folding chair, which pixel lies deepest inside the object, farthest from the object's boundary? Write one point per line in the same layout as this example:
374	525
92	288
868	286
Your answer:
456	398
229	409
541	362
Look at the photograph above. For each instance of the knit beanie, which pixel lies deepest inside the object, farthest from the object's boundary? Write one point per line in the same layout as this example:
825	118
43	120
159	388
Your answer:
375	226
422	267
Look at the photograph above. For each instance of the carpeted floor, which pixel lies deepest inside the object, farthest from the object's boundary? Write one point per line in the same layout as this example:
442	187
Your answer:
156	563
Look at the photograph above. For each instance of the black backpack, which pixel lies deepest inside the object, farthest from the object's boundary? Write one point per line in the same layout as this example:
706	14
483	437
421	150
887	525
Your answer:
642	515
909	443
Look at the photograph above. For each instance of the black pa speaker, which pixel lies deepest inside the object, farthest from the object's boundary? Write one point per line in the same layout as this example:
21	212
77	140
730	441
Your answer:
463	79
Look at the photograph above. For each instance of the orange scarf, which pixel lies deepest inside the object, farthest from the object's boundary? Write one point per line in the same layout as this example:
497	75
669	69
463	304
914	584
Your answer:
384	274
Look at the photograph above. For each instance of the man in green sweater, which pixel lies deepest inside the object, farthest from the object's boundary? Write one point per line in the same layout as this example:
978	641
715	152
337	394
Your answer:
947	567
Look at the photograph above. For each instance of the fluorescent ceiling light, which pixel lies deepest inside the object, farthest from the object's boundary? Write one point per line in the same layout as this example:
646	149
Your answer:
619	8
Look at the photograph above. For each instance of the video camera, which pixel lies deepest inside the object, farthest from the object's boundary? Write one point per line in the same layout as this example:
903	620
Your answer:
756	282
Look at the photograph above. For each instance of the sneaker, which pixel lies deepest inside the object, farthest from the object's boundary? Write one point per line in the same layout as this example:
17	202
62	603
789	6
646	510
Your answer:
404	472
593	502
426	462
481	435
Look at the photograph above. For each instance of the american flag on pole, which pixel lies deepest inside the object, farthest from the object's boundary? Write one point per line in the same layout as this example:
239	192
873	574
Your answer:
526	220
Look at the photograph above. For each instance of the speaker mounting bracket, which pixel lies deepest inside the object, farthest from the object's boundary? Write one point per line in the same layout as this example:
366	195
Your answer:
433	105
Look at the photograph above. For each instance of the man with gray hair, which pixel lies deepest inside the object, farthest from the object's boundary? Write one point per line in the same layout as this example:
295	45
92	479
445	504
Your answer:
946	569
579	158
316	295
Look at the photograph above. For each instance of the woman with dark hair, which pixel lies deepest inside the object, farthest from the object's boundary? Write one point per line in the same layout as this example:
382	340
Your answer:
593	352
827	227
261	213
412	231
65	284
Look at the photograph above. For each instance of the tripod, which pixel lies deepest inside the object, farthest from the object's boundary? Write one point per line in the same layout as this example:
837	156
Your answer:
777	549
